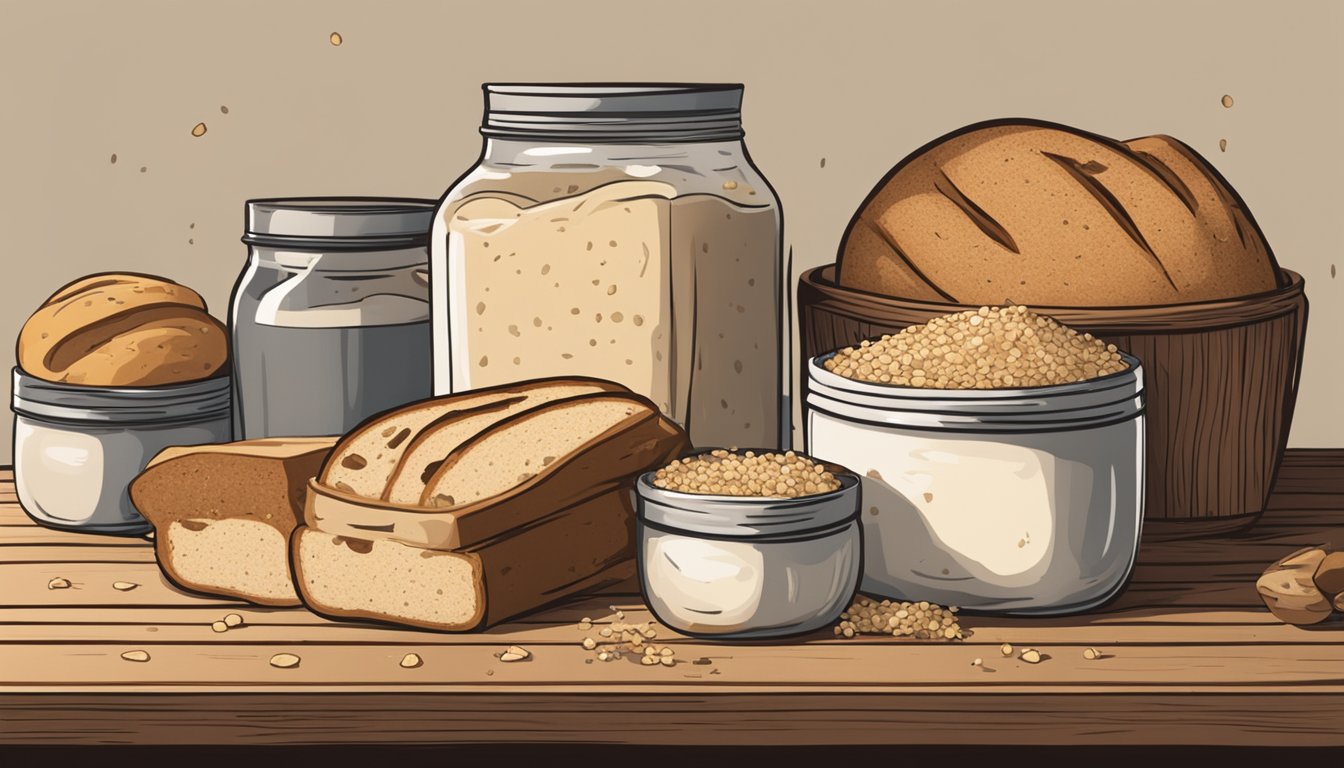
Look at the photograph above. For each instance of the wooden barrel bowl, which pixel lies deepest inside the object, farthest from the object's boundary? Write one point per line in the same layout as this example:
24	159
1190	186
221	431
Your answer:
1221	379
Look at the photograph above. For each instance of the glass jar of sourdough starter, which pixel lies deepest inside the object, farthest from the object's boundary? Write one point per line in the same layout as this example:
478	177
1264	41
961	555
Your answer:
330	319
620	232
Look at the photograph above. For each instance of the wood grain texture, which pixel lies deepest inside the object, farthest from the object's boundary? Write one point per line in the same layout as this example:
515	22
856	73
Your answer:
1221	379
1190	656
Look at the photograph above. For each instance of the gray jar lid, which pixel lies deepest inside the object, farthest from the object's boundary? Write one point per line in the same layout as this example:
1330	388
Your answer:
614	112
335	222
78	404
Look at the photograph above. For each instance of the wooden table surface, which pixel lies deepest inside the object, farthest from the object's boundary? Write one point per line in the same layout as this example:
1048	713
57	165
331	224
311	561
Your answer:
1191	657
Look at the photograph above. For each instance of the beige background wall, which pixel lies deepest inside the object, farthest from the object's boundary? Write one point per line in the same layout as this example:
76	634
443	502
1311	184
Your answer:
394	111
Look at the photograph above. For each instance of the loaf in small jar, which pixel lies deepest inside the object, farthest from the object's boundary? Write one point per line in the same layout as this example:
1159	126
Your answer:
123	330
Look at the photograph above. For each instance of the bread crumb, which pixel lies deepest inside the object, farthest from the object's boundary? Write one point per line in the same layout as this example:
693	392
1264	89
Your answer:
515	653
140	656
1006	649
233	620
285	660
336	38
199	130
58	583
124	586
1031	656
411	661
1227	101
1222	145
1091	654
220	626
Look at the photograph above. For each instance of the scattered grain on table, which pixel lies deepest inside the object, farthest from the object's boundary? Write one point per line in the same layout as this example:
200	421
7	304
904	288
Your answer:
920	620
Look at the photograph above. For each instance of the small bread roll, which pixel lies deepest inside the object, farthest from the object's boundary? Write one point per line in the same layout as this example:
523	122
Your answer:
123	330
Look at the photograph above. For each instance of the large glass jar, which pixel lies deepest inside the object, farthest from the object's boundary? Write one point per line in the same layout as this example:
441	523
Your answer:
330	318
620	232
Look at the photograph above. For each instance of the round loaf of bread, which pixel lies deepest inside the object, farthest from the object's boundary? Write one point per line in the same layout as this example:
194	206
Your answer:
1040	214
123	330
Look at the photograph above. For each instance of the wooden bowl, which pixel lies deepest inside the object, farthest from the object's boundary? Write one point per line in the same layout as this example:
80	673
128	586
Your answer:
1221	379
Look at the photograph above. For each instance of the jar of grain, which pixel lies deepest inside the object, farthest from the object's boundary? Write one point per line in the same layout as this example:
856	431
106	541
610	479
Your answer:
999	482
620	232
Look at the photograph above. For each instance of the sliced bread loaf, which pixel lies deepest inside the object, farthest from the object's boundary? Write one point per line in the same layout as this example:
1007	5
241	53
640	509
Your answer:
515	472
582	548
223	514
366	460
442	436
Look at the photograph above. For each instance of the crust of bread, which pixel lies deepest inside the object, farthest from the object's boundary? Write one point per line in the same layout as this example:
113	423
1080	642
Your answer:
1035	213
88	313
449	404
584	547
642	441
298	458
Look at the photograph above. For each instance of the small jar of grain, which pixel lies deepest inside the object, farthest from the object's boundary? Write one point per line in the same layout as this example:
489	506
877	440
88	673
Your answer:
746	544
1002	457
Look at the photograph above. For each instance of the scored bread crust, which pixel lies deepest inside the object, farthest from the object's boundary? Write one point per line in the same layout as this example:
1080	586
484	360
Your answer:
411	469
425	415
1030	212
638	443
91	311
635	444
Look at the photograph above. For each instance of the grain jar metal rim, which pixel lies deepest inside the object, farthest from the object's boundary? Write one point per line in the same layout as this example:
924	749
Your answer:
748	516
1130	378
1077	405
76	403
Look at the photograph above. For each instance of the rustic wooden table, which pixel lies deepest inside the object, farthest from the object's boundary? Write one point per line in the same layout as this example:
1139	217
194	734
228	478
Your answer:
1191	657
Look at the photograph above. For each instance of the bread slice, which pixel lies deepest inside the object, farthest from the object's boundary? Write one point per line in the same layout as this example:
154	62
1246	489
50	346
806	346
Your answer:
441	437
640	441
586	547
366	460
223	514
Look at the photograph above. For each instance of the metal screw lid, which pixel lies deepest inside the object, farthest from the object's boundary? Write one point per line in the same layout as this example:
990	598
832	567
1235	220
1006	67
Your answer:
614	112
336	221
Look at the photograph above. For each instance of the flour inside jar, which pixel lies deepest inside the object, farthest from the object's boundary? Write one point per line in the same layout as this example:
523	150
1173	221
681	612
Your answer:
673	295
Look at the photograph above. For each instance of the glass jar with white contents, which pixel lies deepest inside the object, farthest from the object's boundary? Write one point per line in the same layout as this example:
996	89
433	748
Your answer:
621	232
747	566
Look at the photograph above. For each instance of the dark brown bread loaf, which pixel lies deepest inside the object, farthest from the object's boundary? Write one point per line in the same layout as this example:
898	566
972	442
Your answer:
223	514
1045	215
